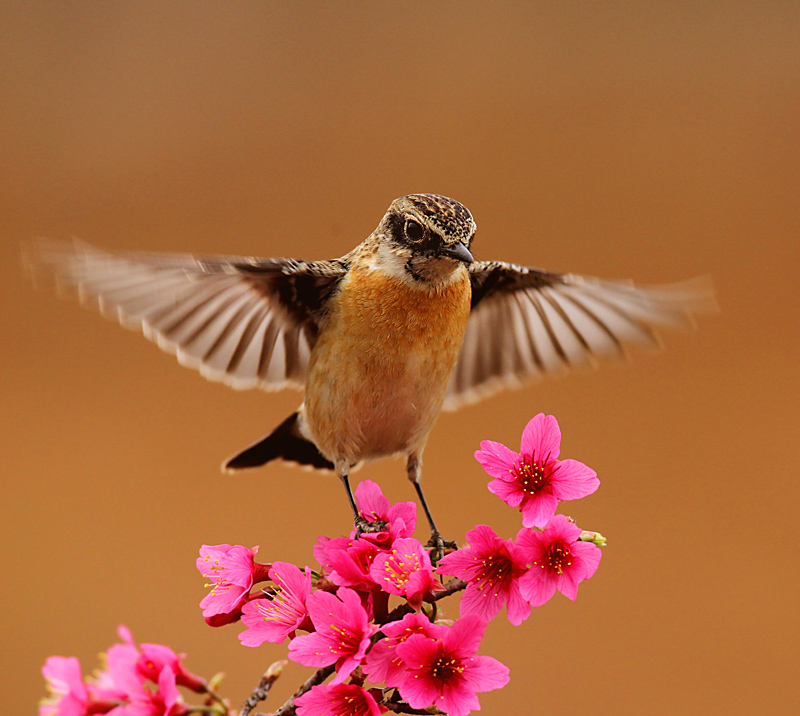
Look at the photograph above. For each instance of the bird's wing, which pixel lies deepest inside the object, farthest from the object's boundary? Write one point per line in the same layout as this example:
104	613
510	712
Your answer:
527	323
243	321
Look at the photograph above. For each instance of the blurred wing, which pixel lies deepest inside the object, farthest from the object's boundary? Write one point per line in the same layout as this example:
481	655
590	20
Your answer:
246	322
527	323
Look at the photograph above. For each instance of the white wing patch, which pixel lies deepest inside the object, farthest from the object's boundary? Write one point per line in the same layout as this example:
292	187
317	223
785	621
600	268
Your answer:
519	336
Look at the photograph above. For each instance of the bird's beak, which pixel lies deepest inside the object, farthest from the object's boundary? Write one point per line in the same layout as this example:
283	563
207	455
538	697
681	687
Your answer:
457	251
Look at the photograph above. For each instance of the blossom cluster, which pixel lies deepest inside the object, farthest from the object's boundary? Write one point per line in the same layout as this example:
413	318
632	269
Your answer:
338	618
135	681
411	656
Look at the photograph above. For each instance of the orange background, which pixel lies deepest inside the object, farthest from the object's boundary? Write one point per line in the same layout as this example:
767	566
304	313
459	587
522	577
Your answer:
656	141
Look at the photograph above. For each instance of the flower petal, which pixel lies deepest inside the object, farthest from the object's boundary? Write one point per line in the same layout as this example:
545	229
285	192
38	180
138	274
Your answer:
419	693
561	528
402	518
496	458
456	700
417	650
537	586
517	609
481	603
589	556
345	699
311	650
537	509
572	480
541	437
370	500
483	538
531	543
463	563
508	492
464	637
483	673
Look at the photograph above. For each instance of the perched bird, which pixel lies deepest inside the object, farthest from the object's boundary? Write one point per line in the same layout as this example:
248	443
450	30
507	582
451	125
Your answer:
381	339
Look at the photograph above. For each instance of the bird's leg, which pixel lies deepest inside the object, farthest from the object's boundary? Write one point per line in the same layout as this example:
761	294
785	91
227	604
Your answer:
361	524
343	471
414	468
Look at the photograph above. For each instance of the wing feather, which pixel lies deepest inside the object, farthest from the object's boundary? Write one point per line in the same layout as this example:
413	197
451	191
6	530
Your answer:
244	321
527	323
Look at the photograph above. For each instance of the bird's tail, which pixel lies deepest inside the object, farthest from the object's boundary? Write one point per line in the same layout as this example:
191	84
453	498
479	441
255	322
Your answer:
285	442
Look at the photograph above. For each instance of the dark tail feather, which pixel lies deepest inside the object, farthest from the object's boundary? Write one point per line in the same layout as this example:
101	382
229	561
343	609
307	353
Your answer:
286	443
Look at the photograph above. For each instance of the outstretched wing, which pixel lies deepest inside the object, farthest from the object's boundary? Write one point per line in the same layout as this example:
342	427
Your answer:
527	323
246	322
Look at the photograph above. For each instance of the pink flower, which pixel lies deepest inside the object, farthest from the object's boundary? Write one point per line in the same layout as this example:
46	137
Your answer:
68	694
382	664
373	506
446	673
232	571
284	611
533	479
150	659
406	571
492	568
166	700
560	561
342	633
121	676
348	561
339	699
120	689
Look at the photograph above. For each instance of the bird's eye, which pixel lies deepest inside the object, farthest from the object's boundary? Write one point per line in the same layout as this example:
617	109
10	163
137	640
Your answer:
414	230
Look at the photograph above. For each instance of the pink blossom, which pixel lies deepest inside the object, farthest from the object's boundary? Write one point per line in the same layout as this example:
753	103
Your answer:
382	664
492	568
446	673
347	561
121	676
119	689
533	479
559	560
68	694
231	617
150	659
339	699
166	700
342	633
282	612
232	571
373	506
405	570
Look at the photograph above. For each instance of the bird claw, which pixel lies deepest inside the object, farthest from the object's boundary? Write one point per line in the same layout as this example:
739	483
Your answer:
363	526
440	545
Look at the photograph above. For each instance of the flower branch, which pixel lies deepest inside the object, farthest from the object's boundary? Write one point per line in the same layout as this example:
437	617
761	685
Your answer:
261	691
289	708
337	618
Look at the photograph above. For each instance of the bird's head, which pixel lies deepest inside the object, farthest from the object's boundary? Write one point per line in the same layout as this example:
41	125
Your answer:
430	234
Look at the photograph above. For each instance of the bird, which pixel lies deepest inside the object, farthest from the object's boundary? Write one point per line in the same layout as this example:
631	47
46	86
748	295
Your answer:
381	340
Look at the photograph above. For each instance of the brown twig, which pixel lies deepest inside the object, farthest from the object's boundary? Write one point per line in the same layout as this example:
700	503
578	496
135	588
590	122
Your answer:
262	690
403	708
453	586
288	709
215	696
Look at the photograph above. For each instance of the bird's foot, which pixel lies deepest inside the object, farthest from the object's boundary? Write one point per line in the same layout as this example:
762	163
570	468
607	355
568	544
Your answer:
363	526
440	545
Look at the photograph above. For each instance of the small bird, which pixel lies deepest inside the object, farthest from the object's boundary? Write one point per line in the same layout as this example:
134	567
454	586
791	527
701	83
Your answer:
381	339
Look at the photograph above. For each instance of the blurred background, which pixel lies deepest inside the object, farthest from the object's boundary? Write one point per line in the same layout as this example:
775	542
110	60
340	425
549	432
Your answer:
654	141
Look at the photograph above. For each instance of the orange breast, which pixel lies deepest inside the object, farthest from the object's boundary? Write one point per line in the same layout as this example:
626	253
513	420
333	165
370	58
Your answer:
380	368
